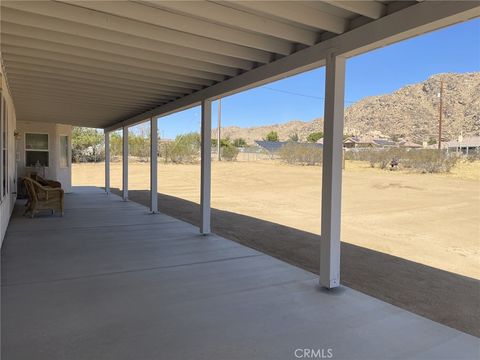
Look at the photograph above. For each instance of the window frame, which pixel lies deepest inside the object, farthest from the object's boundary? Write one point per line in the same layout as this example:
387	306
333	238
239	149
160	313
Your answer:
34	150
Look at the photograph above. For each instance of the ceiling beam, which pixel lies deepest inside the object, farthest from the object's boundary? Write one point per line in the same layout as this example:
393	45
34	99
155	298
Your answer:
110	22
25	96
68	58
99	72
370	9
36	74
220	12
186	24
115	37
73	89
299	14
406	23
163	60
35	79
16	67
98	55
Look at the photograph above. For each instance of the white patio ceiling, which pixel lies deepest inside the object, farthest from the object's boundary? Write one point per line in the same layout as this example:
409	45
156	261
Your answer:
108	64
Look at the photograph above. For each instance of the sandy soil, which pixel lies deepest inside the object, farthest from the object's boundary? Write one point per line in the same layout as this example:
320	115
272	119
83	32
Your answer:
429	219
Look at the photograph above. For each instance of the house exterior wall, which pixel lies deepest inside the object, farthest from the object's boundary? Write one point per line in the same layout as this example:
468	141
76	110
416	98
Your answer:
7	202
54	171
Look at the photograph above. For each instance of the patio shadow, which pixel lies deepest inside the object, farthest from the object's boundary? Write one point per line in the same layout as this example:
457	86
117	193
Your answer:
441	296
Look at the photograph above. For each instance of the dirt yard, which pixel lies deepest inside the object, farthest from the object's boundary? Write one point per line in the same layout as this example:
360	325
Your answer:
429	219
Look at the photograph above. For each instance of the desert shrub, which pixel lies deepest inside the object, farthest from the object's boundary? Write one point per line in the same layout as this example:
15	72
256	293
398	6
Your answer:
416	160
382	158
315	136
293	137
303	154
229	153
184	150
429	161
475	156
139	145
239	142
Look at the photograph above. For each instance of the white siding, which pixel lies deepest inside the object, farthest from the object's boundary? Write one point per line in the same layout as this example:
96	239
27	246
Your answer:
7	202
54	171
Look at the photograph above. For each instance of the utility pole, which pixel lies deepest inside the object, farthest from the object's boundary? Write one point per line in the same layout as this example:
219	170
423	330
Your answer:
219	156
440	109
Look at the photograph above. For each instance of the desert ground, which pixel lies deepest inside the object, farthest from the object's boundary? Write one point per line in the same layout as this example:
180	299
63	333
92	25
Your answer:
431	219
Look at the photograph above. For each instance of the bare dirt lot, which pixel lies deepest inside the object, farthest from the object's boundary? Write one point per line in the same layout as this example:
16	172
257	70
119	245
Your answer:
409	239
429	219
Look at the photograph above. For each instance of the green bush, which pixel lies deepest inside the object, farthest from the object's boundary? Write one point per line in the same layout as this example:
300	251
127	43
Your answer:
315	136
184	150
239	142
272	136
229	153
301	154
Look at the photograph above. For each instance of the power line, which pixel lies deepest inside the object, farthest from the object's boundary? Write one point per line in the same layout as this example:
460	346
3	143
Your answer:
299	94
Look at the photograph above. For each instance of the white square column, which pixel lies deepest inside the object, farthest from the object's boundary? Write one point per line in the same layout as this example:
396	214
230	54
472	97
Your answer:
107	162
125	164
153	165
206	164
332	171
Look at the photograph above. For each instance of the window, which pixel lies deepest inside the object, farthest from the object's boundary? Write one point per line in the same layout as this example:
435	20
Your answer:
63	151
36	150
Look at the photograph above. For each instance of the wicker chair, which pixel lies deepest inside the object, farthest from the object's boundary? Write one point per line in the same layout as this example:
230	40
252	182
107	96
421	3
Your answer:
42	197
45	182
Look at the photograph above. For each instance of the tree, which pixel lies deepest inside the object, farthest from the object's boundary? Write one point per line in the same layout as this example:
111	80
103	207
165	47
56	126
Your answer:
315	136
87	144
139	144
272	136
225	142
239	142
293	137
185	148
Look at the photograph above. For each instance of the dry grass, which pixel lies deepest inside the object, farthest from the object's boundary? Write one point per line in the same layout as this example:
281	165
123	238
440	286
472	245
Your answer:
432	219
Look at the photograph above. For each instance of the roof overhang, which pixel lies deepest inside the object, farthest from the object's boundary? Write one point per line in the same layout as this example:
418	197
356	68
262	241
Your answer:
114	64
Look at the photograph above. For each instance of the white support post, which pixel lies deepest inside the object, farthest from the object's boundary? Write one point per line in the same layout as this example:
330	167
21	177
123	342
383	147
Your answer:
107	162
332	171
153	165
206	155
125	164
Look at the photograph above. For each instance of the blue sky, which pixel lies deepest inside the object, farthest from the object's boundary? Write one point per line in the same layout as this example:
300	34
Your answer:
453	49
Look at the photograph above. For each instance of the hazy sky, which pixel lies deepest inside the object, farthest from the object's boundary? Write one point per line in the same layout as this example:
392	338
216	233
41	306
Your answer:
453	49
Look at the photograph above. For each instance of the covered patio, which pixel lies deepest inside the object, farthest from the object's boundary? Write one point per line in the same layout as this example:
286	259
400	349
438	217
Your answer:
111	281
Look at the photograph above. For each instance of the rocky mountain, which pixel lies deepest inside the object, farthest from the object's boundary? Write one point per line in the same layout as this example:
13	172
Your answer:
411	112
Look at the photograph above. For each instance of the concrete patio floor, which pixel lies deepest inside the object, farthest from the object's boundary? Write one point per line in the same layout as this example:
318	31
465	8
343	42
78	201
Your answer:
111	281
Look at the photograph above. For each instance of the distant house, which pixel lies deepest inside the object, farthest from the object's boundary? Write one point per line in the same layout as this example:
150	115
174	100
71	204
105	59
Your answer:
465	145
384	143
355	142
358	142
410	145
